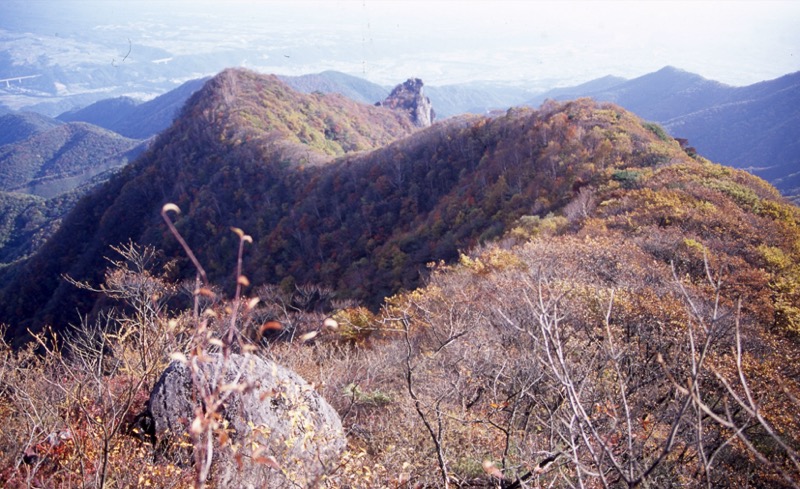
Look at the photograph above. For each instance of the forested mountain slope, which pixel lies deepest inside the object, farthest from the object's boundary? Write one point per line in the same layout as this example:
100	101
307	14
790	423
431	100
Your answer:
18	126
248	152
239	148
61	158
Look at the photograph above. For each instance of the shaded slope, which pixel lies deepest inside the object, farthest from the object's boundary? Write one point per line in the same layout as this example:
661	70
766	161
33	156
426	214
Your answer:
569	93
132	119
759	130
330	81
666	93
61	158
659	96
18	126
108	113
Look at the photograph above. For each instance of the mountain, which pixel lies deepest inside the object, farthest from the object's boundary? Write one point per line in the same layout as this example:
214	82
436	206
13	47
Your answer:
107	113
17	126
578	91
475	98
331	81
753	127
61	158
242	144
132	119
758	129
327	198
659	96
44	175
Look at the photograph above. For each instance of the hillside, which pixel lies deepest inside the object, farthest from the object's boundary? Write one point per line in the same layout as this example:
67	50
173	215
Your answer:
44	175
61	158
16	127
133	119
27	221
329	81
753	127
757	130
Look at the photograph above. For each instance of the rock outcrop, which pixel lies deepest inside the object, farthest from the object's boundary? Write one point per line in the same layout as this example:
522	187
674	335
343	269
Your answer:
295	428
408	97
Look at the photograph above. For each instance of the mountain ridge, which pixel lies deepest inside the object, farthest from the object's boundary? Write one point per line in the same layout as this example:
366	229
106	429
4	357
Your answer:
294	171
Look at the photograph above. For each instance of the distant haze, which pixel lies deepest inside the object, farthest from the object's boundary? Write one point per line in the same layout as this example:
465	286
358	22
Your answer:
542	44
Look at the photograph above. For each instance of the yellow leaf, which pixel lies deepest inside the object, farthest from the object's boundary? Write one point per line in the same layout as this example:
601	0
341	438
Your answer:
308	336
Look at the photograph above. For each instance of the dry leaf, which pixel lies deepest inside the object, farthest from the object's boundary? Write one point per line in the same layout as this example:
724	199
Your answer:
271	326
490	469
197	425
267	460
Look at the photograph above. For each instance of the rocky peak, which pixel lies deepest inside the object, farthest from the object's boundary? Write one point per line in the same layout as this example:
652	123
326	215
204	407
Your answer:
408	97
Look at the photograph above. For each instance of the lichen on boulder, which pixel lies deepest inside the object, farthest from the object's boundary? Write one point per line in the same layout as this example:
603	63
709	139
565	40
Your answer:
279	432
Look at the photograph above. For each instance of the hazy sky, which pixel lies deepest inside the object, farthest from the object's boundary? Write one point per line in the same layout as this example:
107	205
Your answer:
541	43
735	42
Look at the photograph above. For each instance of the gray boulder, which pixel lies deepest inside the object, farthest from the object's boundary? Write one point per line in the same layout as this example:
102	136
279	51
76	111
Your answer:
280	432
